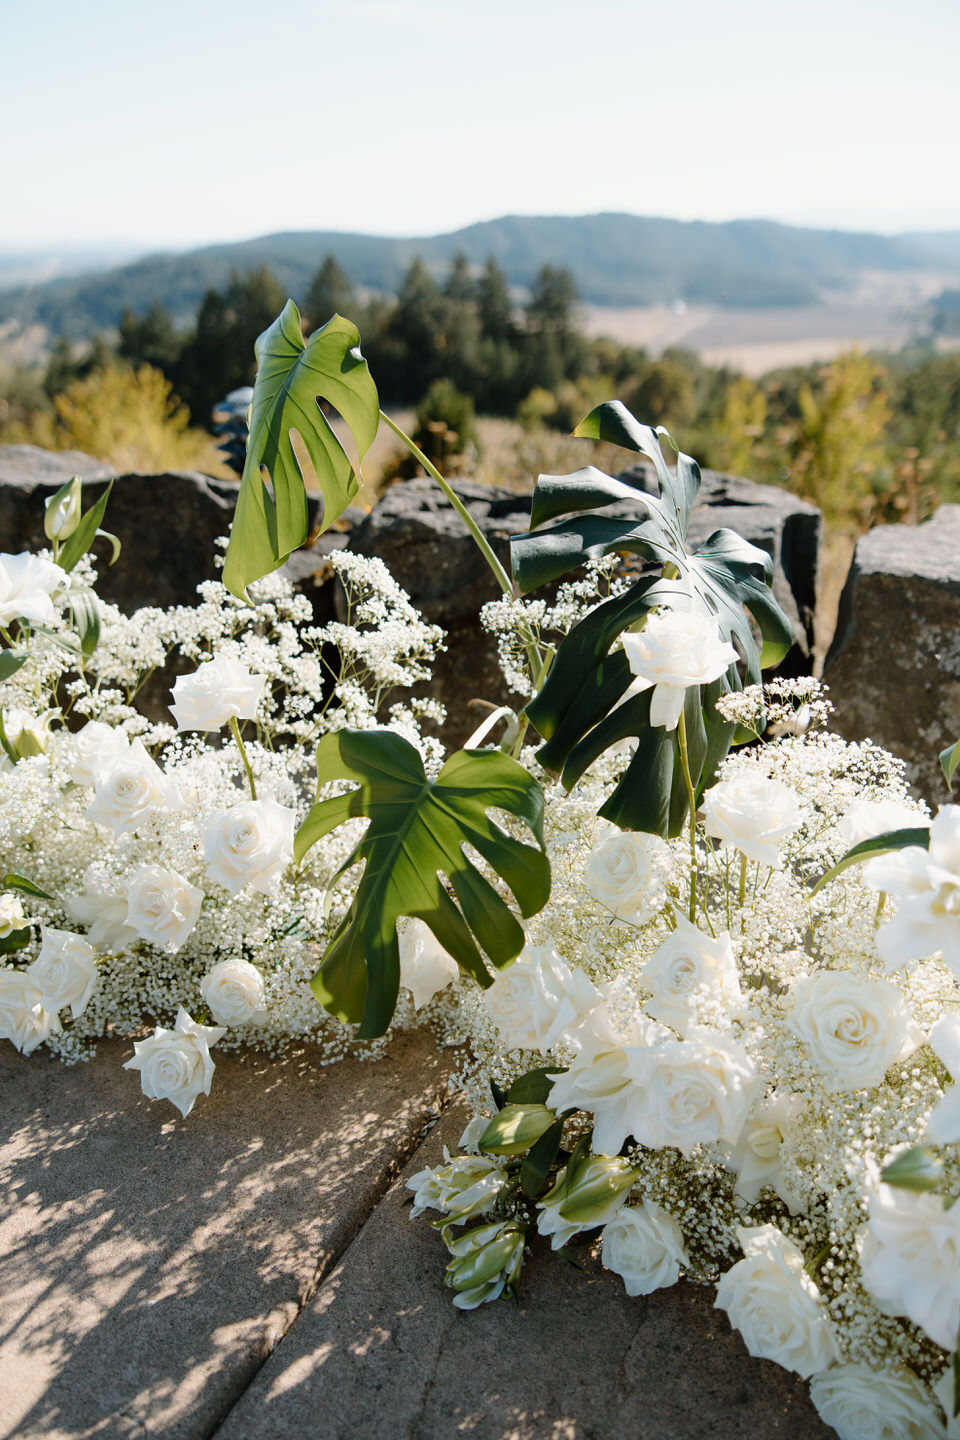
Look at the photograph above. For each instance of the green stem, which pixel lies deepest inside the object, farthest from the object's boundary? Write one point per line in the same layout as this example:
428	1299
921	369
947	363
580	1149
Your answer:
243	755
692	803
742	897
534	657
486	550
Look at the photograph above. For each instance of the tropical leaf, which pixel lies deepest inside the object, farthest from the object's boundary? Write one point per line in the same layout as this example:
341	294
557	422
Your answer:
871	849
949	761
292	378
417	833
579	711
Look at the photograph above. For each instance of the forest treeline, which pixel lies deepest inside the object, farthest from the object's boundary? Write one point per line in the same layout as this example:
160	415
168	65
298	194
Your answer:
866	437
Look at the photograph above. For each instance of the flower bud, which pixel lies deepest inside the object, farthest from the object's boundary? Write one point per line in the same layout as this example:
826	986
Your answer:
27	735
591	1197
917	1169
63	511
12	917
485	1262
466	1186
515	1128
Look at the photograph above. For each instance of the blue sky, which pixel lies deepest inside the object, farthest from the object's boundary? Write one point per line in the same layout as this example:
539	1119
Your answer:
187	121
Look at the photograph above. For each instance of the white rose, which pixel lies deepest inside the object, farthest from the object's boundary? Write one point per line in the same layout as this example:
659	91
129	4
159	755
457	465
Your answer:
771	1300
104	912
175	1064
162	907
65	971
866	818
11	915
233	990
611	1086
538	998
674	650
943	1126
864	1404
698	1090
643	1244
910	1260
218	691
752	813
625	872
23	1019
249	844
854	1028
927	886
756	1156
691	966
425	967
129	788
93	748
26	584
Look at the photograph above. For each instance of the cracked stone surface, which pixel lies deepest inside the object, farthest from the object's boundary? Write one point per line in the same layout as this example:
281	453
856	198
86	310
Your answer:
149	1263
381	1350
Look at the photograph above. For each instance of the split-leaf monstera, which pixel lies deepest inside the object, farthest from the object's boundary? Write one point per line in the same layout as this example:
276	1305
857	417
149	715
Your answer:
417	833
578	710
292	377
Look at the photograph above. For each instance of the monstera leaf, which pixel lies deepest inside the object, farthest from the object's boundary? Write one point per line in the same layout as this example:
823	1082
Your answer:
416	836
578	710
291	379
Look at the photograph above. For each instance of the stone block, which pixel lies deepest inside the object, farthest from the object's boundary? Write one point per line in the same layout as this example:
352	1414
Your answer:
148	1263
380	1350
894	666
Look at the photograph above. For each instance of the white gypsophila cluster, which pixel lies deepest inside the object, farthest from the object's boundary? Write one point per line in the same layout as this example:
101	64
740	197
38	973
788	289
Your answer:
760	1065
781	706
154	856
515	622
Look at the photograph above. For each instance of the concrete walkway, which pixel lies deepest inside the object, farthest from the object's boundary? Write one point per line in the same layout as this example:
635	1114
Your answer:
250	1273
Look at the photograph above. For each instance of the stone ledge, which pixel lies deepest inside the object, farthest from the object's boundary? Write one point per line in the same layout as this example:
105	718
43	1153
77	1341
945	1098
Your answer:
149	1263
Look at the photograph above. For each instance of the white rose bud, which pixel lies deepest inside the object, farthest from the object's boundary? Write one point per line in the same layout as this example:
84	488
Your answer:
771	1300
23	1019
752	813
675	650
625	872
864	1404
249	844
854	1028
175	1064
12	917
93	749
425	967
26	584
62	510
65	971
28	735
234	992
104	912
538	998
129	788
643	1244
596	1192
219	690
162	907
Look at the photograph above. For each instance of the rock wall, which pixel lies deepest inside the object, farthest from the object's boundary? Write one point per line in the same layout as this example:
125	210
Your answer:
894	666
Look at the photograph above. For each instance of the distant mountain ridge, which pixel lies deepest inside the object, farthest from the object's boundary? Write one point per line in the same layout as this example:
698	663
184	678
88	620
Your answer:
616	260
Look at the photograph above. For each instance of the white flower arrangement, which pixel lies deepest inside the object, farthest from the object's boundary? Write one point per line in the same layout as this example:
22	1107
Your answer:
728	1090
161	892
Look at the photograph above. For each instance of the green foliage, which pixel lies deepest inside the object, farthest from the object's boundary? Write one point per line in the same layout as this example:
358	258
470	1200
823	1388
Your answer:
417	833
876	846
578	710
291	379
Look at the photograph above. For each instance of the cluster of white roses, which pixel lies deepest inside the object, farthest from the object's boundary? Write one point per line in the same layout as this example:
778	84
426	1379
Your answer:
158	857
732	1086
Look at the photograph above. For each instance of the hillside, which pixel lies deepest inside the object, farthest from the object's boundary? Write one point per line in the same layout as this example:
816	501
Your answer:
616	260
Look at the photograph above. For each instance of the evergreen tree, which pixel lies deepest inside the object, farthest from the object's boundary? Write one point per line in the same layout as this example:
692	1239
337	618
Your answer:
331	293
